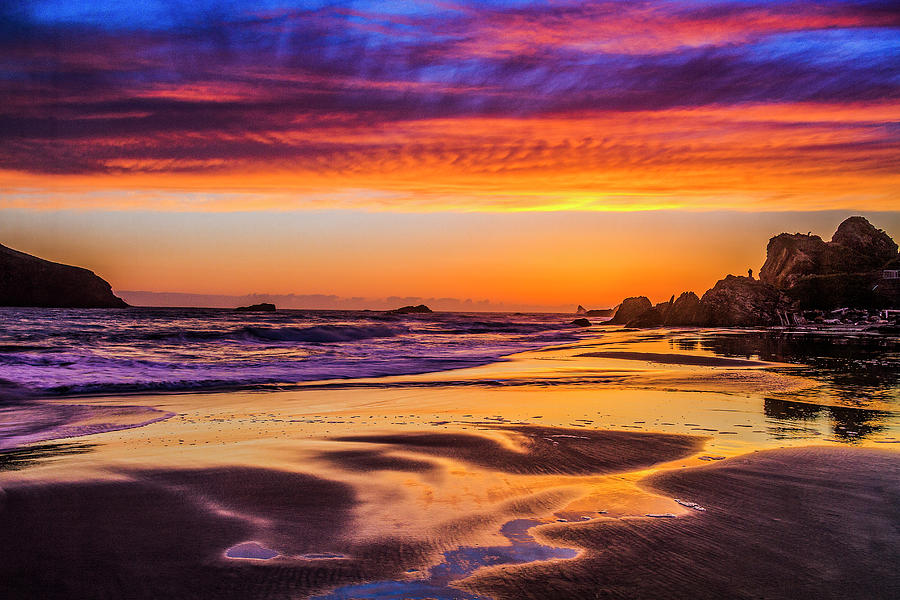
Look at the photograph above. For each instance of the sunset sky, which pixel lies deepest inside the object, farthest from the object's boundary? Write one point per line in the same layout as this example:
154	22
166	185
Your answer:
528	153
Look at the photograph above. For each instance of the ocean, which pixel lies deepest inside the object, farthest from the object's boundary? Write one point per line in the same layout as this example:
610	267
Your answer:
55	352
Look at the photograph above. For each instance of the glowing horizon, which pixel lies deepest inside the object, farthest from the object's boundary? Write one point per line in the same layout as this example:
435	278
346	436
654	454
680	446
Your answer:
554	259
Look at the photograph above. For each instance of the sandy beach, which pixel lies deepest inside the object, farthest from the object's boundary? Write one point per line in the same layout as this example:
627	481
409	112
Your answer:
468	300
532	477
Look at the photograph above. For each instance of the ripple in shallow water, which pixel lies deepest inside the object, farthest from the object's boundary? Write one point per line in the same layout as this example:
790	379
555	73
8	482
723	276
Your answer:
251	550
458	564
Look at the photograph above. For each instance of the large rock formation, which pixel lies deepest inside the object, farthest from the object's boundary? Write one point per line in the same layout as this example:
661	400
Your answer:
740	301
791	256
857	234
654	317
27	280
844	272
801	272
630	309
838	290
732	302
686	311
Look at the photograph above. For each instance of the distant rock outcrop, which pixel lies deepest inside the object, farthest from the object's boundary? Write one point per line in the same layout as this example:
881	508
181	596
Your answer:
27	280
595	312
419	309
261	307
630	309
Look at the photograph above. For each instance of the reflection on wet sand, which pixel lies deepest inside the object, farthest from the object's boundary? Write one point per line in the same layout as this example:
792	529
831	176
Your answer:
526	478
859	369
292	533
799	523
848	424
457	564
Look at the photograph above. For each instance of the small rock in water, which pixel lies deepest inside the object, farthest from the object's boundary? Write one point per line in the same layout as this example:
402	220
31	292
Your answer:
661	515
711	458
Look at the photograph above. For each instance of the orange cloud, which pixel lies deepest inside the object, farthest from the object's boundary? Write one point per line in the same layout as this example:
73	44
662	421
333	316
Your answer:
807	156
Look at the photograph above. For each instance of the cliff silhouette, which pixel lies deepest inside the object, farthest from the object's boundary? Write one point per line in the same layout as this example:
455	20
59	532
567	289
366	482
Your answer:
27	280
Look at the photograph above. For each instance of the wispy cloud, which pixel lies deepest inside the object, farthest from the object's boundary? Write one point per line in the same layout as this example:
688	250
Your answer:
467	105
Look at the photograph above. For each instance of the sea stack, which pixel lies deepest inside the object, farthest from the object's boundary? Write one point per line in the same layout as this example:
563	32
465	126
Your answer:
27	280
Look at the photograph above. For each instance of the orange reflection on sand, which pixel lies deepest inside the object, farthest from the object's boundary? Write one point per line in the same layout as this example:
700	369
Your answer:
423	465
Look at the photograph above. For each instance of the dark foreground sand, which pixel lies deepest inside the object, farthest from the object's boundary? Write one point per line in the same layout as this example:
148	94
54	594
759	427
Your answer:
802	523
779	524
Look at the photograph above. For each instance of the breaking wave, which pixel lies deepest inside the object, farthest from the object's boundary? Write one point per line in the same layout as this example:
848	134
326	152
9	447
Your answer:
92	352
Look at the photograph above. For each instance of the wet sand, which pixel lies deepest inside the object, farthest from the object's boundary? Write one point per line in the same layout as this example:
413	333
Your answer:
540	450
531	480
799	523
154	533
678	359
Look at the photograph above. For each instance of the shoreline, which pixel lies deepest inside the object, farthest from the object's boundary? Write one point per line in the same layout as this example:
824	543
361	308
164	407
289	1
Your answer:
15	392
406	488
565	366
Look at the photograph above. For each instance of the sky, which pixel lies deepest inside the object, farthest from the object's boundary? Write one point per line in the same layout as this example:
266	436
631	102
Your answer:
525	153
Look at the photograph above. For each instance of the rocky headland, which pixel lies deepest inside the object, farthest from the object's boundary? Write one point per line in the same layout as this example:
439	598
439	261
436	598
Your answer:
803	280
27	280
